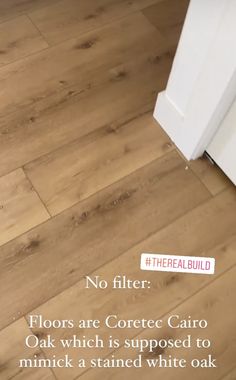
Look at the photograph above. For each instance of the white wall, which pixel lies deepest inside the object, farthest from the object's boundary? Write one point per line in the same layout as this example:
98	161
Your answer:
193	47
201	84
223	146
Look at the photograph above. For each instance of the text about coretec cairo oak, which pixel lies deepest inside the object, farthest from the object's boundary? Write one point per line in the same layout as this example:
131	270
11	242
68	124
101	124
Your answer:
116	342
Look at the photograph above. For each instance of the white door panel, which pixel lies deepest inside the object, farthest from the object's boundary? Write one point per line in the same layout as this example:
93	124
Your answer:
223	146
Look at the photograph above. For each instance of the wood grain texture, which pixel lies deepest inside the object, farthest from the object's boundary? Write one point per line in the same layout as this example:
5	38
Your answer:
67	80
76	61
75	120
230	376
12	8
70	18
188	237
13	348
215	300
102	157
20	206
168	17
211	175
19	38
79	236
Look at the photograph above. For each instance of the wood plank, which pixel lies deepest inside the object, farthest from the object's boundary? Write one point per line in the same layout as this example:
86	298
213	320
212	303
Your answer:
230	376
89	164
76	61
12	8
19	38
13	348
216	304
168	17
93	232
70	18
211	175
27	136
188	237
20	206
64	81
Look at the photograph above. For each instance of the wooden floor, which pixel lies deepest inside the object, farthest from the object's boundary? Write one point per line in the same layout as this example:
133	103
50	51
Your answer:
89	181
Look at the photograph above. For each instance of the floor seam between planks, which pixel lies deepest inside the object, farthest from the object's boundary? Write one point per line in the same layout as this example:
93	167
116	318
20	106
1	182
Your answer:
84	92
109	261
39	348
76	37
52	151
110	22
13	18
50	45
188	167
36	191
25	13
39	31
28	55
227	373
169	311
105	187
80	137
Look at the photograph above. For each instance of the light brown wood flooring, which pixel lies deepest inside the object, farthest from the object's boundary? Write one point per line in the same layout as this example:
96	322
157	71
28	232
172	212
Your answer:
89	181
